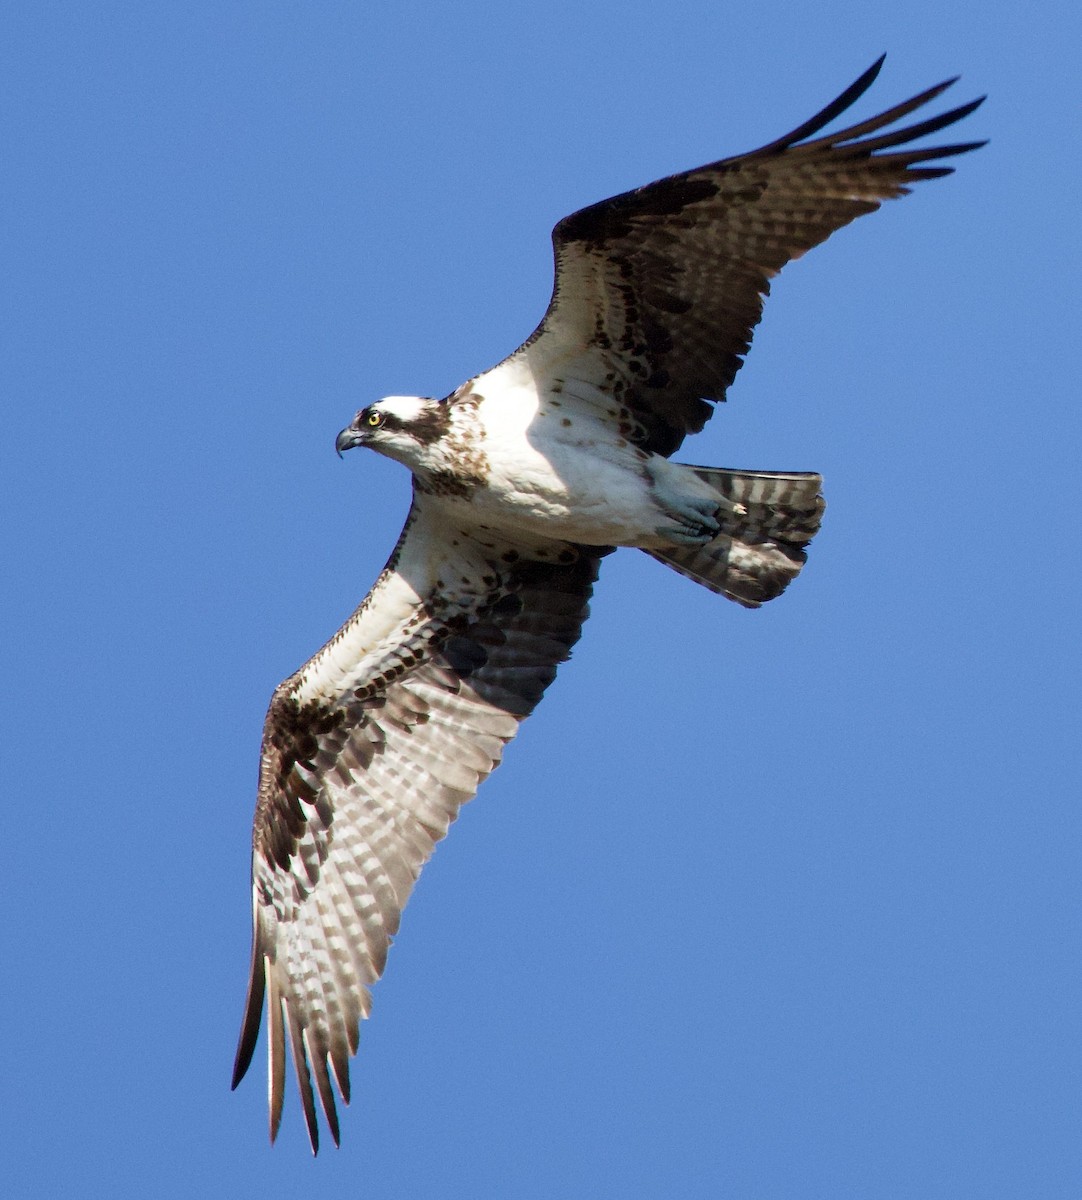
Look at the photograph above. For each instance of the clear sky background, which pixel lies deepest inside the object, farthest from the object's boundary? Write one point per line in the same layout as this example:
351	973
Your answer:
762	905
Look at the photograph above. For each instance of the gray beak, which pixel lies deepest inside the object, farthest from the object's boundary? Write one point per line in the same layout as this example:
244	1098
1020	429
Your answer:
347	439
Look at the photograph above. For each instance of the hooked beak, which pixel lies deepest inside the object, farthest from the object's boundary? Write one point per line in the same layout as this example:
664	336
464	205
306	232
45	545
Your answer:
347	439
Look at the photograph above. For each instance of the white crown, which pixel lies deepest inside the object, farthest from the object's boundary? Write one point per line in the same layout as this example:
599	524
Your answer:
405	408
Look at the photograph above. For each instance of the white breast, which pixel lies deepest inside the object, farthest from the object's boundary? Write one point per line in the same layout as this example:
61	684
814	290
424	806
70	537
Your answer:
557	465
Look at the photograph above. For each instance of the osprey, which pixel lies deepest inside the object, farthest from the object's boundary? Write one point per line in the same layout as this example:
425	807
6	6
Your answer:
523	480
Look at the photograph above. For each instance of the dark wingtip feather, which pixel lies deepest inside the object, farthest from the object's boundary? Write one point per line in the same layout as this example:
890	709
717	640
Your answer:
326	1093
253	1014
837	106
949	151
908	133
340	1067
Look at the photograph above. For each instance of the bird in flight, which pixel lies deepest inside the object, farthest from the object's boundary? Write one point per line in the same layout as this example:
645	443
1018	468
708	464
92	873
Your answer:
524	478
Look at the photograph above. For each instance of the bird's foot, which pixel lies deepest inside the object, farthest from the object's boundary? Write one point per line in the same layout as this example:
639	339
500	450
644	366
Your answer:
696	520
686	535
681	497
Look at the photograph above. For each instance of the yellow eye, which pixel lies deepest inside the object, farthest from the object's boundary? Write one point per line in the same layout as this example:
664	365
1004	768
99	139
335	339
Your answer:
375	419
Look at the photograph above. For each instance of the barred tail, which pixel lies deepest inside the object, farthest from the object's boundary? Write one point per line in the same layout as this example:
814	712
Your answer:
767	520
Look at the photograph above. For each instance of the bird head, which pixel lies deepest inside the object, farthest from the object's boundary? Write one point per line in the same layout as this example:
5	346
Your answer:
402	427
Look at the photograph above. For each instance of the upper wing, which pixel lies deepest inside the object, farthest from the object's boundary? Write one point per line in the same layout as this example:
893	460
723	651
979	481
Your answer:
658	290
368	753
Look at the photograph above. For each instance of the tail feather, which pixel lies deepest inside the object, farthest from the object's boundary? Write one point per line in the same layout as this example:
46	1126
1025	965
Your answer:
767	519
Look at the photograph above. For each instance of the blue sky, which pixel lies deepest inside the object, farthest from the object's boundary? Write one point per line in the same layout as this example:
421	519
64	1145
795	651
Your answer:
773	905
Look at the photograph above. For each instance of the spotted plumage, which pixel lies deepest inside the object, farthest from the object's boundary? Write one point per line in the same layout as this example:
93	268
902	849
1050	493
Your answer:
524	479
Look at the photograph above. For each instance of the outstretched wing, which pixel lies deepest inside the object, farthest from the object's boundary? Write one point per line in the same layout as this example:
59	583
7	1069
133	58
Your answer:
658	290
368	753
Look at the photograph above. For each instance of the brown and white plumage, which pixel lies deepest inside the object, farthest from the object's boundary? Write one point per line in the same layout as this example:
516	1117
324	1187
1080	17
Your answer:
369	751
673	274
524	479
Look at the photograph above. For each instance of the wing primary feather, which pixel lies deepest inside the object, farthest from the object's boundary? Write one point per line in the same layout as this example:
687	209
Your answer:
907	159
334	996
825	115
276	1053
839	139
910	133
297	1048
340	1067
253	1010
317	1057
